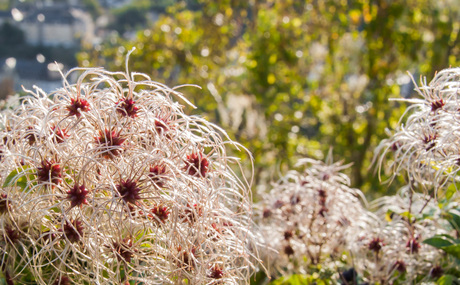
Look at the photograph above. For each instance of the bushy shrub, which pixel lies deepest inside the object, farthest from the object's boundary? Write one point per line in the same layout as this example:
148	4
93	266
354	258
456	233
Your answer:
426	145
323	232
391	250
108	181
309	219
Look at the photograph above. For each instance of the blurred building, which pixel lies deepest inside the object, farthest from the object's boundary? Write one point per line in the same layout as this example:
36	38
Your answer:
5	16
114	3
62	26
18	73
57	25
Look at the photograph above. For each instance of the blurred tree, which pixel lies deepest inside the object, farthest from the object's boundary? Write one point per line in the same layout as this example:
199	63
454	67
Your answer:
291	78
161	5
93	7
10	35
128	18
135	15
4	5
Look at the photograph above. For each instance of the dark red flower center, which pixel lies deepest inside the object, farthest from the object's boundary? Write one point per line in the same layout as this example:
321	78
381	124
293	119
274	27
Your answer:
322	200
129	190
123	249
126	107
73	231
438	104
216	272
60	134
197	165
31	135
400	266
395	146
186	258
288	234
376	244
64	280
161	212
288	250
157	173
161	126
77	195
436	272
111	141
50	171
11	234
3	203
193	213
413	245
77	106
430	141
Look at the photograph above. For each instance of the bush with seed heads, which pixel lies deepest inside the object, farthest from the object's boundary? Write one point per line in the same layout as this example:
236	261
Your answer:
310	217
421	231
108	181
426	146
318	230
392	249
316	226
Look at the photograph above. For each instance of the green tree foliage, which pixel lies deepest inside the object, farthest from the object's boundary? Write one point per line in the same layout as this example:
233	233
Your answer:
129	17
135	15
93	7
4	4
292	78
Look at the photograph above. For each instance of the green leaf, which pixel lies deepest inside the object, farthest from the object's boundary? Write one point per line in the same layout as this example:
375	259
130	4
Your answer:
446	243
407	215
454	219
298	279
453	250
295	279
389	215
19	177
438	241
450	191
445	280
259	278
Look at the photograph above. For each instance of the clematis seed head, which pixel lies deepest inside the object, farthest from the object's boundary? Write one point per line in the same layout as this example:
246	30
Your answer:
124	249
128	190
127	108
216	272
60	134
376	244
77	195
413	245
197	165
157	174
111	143
50	171
161	212
73	231
77	106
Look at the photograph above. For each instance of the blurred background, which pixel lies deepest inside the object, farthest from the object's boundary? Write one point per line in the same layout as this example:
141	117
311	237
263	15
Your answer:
288	79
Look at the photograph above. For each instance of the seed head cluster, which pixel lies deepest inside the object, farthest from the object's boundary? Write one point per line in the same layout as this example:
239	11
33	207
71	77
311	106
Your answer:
108	181
426	145
390	250
310	217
